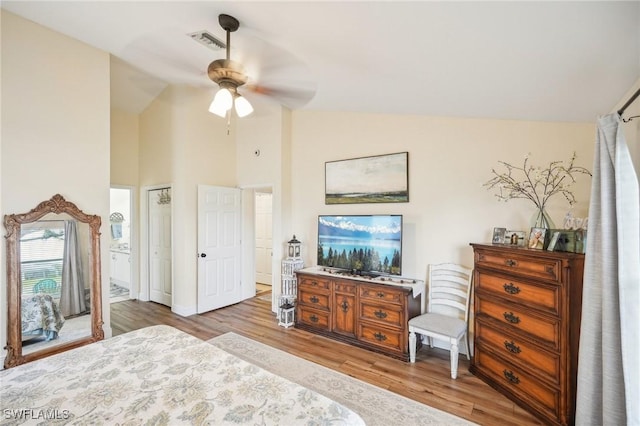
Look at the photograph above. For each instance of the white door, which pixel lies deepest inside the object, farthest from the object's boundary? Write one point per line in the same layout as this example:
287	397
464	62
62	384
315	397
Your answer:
160	287
264	237
219	247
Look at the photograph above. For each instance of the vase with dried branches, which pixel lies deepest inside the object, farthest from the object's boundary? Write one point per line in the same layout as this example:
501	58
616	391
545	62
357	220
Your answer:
536	184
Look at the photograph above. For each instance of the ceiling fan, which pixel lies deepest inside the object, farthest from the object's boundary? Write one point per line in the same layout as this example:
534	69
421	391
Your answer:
230	75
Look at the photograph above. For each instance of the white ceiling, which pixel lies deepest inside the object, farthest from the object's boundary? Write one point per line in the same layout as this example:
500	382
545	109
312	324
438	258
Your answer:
556	61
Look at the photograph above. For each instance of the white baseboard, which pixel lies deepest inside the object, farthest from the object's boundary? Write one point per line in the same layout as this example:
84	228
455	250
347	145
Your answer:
184	311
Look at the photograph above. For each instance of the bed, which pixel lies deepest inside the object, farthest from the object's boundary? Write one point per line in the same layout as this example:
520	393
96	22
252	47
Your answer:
40	316
159	375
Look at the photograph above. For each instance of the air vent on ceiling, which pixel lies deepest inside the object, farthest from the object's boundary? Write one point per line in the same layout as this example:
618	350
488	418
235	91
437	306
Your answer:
207	39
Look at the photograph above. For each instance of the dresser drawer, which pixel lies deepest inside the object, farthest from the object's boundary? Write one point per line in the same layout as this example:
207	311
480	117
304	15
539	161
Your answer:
547	269
340	287
313	298
524	386
314	318
314	283
384	314
546	297
381	336
540	362
384	294
545	329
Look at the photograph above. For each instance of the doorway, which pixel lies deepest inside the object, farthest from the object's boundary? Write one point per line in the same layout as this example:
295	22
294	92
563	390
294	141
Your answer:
122	285
263	238
159	245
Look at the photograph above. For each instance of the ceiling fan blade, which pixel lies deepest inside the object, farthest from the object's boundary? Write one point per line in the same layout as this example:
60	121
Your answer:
288	95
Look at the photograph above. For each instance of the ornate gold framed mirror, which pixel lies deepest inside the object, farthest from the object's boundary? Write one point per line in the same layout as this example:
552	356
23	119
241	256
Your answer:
54	291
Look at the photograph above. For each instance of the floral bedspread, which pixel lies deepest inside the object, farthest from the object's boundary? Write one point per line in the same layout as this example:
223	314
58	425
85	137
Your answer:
41	315
159	376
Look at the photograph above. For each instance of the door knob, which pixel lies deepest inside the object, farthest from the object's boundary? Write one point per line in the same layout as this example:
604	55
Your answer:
203	254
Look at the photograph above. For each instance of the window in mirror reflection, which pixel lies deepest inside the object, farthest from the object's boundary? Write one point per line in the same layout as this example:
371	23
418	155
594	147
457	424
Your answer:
55	283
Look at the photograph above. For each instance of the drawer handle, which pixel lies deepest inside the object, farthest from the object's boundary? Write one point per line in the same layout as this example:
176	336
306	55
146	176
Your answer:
511	289
314	283
380	294
313	318
509	316
512	347
344	306
510	262
314	299
511	377
380	314
379	336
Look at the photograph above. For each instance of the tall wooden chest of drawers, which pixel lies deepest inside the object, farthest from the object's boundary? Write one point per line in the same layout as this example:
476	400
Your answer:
527	306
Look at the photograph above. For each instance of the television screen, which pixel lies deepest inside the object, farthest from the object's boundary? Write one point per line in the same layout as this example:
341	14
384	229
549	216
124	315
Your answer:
365	244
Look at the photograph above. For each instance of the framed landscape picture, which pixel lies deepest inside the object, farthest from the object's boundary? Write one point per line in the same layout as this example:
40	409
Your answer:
376	179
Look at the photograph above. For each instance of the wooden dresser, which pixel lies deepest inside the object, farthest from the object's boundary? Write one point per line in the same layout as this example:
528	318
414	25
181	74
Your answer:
372	315
528	305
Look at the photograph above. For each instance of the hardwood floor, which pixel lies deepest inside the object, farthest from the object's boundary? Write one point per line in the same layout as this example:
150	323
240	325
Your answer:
427	381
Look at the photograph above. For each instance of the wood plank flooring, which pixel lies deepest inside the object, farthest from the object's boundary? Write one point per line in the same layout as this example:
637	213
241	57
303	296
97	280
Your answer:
427	381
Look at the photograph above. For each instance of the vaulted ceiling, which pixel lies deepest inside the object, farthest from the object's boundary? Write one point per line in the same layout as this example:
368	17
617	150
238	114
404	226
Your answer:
555	61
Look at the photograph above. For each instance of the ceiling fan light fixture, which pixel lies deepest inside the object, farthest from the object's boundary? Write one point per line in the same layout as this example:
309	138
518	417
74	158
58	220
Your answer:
215	109
222	102
243	106
229	75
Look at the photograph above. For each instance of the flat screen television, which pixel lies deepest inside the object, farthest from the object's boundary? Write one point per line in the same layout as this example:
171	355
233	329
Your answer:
364	244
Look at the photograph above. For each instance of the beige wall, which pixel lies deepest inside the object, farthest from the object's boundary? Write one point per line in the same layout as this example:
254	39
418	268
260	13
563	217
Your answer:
449	160
184	145
55	132
124	148
269	133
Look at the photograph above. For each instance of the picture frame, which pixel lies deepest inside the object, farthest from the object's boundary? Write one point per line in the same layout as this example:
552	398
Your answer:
570	240
553	241
374	179
536	238
515	238
498	235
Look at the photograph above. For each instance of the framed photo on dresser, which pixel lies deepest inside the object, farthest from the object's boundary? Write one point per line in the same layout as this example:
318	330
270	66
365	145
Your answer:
536	238
514	238
498	235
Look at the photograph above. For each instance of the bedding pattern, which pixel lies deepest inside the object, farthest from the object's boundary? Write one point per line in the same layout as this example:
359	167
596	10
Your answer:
160	376
41	315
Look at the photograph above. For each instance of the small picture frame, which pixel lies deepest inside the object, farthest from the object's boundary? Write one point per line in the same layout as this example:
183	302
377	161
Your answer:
536	238
553	241
514	238
570	241
498	235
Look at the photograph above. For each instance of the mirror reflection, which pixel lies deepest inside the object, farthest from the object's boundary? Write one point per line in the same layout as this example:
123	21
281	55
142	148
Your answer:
55	290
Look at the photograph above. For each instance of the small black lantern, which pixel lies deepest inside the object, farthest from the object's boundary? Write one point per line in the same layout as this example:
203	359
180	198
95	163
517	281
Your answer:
294	248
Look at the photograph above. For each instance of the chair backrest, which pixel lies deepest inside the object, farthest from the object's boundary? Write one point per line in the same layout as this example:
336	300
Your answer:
45	286
449	288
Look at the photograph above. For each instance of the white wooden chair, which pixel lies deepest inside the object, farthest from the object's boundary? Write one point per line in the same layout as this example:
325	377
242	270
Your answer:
447	312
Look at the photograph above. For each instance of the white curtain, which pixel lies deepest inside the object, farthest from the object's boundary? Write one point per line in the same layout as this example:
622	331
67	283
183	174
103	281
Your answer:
608	362
72	290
